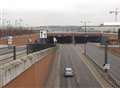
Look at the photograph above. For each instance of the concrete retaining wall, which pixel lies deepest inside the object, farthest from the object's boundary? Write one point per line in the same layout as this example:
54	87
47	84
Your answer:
11	70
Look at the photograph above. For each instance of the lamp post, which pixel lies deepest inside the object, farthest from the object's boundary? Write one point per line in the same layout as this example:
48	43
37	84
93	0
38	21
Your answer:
85	41
73	38
1	17
116	12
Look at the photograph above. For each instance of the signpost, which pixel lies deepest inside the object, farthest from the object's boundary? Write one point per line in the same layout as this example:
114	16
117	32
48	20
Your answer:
106	67
43	36
10	40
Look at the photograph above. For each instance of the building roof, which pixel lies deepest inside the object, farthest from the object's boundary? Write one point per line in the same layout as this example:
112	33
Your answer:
111	23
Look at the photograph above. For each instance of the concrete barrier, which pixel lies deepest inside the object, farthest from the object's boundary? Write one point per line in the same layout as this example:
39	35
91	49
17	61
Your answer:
11	70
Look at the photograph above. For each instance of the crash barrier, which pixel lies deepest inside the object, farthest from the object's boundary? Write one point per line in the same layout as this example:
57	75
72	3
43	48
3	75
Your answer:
11	70
37	47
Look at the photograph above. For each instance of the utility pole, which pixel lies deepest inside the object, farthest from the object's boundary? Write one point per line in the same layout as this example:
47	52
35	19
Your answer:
115	12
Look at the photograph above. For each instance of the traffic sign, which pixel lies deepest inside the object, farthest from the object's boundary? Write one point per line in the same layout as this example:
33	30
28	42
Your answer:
106	66
10	40
43	34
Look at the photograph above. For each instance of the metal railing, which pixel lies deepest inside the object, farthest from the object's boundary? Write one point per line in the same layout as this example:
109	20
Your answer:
37	47
11	53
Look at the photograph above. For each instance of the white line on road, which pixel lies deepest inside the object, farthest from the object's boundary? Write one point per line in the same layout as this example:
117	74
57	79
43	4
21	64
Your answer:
92	69
58	72
54	76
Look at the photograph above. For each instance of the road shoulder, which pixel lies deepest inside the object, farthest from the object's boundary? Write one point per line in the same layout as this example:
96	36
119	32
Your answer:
54	77
93	70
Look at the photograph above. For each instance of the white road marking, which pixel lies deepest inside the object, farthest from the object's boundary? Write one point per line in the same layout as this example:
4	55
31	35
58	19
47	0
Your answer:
95	73
58	71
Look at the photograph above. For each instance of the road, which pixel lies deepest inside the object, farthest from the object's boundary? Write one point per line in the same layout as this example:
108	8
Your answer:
97	55
7	50
68	57
6	54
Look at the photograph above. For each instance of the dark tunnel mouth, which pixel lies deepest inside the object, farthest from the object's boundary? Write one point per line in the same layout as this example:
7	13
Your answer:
77	39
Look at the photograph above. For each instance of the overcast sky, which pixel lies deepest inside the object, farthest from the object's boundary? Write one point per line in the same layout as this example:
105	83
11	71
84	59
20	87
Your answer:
59	12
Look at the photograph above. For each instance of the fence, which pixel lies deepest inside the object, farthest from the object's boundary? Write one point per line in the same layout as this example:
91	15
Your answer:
10	53
37	47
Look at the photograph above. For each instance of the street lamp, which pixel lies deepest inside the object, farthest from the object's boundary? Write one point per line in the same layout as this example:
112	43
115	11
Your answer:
85	25
73	38
1	17
116	12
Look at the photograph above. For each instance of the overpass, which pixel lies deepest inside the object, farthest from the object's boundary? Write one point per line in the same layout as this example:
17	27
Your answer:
74	37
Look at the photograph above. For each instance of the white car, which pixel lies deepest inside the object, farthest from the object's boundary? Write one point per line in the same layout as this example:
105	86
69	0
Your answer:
68	72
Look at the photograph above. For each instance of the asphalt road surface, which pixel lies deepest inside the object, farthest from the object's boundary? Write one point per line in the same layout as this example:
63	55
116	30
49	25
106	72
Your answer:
7	50
6	54
83	78
97	55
